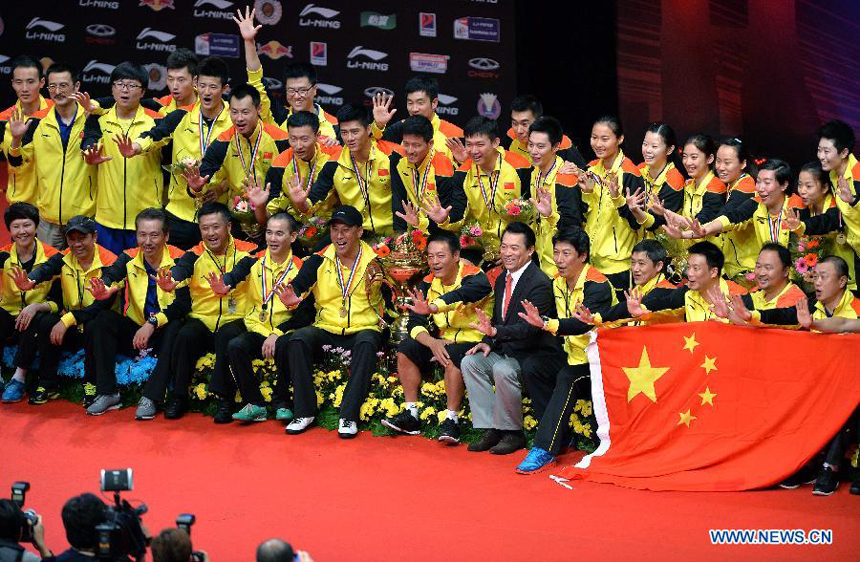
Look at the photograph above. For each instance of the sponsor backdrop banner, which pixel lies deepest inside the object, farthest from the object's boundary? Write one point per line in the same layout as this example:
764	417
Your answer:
358	48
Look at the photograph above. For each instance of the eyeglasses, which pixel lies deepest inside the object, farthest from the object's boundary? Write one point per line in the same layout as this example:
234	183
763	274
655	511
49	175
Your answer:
59	87
298	91
126	86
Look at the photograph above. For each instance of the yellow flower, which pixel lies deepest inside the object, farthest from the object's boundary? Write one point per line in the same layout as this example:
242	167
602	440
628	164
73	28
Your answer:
441	416
207	360
320	399
257	363
586	409
586	430
267	394
237	397
529	423
391	379
427	412
200	391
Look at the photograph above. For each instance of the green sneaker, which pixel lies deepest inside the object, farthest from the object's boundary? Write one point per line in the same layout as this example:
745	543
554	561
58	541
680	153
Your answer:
251	413
284	414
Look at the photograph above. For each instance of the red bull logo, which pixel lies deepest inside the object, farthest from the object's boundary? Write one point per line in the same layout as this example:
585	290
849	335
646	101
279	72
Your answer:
157	5
319	53
274	50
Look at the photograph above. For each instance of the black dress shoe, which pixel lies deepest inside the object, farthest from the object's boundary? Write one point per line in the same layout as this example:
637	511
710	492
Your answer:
223	411
855	487
175	408
512	441
487	441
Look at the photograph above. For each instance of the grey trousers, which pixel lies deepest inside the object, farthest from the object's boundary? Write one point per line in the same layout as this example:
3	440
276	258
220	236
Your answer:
51	234
499	409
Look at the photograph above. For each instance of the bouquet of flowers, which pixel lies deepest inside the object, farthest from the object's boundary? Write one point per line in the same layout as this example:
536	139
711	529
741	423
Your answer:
521	210
179	167
677	251
470	236
805	255
243	211
312	231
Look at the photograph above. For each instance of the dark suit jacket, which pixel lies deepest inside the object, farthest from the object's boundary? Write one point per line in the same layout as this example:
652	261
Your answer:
514	336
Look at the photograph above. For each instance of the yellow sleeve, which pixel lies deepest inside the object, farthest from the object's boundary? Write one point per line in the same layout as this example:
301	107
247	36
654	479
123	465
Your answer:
68	319
255	79
416	331
376	132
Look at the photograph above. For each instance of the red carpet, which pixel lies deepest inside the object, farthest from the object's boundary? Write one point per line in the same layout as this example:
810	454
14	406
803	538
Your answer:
383	498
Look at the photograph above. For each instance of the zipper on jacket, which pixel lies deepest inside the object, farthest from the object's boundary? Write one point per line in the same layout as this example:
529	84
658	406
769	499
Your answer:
124	181
62	178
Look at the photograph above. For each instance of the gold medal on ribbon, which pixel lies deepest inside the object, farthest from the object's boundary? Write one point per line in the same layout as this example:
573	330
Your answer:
343	312
841	239
263	315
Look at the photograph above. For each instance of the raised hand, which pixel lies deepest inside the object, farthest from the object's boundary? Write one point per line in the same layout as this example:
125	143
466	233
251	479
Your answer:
719	305
434	209
676	220
217	284
843	188
288	295
484	324
99	290
94	155
655	205
193	179
588	180
804	317
584	315
164	279
247	29
327	141
740	310
297	193
790	219
457	148
419	303
614	189
636	203
569	168
18	123
19	276
382	112
256	195
531	314
543	203
673	231
634	303
126	147
84	99
409	214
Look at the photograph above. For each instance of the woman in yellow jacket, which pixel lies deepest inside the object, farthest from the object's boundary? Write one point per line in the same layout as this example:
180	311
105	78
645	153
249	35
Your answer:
736	169
664	184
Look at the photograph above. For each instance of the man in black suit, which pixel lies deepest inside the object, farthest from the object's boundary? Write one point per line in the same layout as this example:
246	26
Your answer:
511	348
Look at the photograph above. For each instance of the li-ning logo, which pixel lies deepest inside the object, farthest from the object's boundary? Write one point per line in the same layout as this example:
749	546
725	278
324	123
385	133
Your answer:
98	4
220	13
51	26
327	13
104	72
161	36
5	68
329	98
374	56
445	105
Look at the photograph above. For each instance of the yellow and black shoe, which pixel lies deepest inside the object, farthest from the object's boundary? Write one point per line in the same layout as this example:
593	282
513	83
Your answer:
42	395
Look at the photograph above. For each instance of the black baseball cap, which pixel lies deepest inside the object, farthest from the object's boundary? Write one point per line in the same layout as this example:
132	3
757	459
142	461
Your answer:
347	215
81	223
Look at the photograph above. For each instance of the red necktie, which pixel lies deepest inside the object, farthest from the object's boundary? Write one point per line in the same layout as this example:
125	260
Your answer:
509	283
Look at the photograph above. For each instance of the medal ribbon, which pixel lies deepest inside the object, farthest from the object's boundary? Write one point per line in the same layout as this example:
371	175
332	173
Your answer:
345	288
774	226
204	140
419	188
490	200
267	298
305	185
363	184
541	178
254	151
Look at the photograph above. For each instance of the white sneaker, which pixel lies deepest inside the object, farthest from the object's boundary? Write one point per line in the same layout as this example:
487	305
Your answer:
347	429
299	425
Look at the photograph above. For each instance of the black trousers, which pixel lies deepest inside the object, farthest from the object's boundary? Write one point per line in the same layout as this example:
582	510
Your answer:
183	234
242	350
8	334
113	333
540	373
192	341
573	383
835	450
38	338
305	347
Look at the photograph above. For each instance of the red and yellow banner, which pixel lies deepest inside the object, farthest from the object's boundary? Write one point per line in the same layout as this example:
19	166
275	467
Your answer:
708	406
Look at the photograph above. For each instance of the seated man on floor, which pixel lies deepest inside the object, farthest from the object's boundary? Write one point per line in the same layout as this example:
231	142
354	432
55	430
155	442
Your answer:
512	350
213	319
267	321
18	309
76	267
347	316
578	285
448	298
144	324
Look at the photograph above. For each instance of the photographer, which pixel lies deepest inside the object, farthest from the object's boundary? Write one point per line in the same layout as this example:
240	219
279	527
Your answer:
276	550
81	515
12	524
174	545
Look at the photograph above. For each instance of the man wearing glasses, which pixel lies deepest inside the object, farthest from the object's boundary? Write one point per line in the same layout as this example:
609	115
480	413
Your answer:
125	186
300	85
52	142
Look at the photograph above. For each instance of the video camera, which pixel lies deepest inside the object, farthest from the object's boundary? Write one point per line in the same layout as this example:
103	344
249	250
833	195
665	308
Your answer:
121	536
19	491
184	522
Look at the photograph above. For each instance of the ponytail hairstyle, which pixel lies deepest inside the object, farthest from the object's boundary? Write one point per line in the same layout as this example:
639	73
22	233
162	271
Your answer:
667	133
740	148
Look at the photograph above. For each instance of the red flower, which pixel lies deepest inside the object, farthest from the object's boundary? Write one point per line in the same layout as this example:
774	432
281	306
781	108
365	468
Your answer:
382	250
811	260
310	231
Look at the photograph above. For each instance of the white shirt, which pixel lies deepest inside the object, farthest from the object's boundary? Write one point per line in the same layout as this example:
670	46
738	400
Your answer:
515	276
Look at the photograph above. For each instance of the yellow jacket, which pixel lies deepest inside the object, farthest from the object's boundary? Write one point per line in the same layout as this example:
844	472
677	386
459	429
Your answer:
130	271
415	184
442	131
850	211
11	299
65	185
181	128
124	186
285	166
687	303
279	116
847	307
319	276
22	184
78	303
198	262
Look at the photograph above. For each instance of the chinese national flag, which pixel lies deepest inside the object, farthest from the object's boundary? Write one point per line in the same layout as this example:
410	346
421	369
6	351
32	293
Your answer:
708	406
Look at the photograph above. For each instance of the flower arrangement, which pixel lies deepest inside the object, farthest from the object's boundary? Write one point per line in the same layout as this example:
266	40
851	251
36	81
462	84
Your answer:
470	236
312	231
521	210
179	167
805	255
242	210
381	245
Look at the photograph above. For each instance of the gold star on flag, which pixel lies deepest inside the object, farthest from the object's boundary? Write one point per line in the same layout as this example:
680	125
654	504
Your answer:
686	418
707	396
709	365
690	343
643	377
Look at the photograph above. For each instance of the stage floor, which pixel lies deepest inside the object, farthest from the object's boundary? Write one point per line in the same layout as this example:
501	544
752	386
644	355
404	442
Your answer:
376	498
